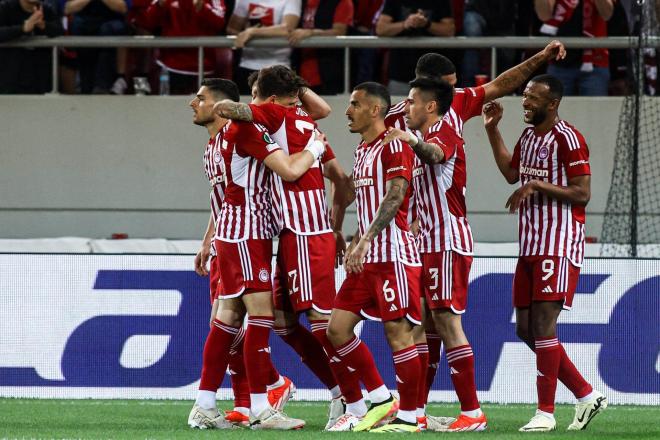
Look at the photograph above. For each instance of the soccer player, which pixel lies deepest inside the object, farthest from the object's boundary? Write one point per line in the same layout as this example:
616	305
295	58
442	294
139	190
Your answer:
383	268
304	281
445	238
466	104
204	413
551	161
244	242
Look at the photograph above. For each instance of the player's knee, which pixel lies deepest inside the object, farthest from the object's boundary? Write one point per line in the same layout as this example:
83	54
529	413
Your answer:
336	335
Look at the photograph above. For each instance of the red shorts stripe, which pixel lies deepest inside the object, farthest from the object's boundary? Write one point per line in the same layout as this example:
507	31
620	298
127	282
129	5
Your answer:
445	277
382	291
544	278
305	272
246	267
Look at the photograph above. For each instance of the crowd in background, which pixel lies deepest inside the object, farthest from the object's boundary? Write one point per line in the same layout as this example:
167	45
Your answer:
594	72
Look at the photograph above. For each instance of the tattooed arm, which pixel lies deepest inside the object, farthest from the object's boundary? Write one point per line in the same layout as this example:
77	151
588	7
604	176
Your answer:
428	153
396	191
236	111
513	78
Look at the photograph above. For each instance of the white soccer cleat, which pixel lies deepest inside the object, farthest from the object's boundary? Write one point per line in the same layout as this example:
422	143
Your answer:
539	423
335	411
345	422
438	423
586	411
273	419
207	419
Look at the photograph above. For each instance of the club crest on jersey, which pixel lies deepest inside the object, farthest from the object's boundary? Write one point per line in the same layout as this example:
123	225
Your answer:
268	139
217	157
264	275
543	153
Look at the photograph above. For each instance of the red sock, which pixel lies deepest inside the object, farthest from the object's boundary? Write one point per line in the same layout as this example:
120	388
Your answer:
355	354
571	377
311	353
434	342
239	382
548	357
406	366
423	352
461	368
348	381
257	352
216	355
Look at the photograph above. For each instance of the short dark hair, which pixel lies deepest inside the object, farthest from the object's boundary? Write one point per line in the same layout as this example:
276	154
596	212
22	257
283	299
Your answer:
252	78
377	91
433	65
441	90
222	88
278	80
554	85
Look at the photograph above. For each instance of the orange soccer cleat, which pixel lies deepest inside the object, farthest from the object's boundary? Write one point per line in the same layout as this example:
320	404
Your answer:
465	423
278	397
237	418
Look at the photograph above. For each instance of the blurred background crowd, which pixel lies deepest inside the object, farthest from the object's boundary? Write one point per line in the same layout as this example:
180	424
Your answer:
120	71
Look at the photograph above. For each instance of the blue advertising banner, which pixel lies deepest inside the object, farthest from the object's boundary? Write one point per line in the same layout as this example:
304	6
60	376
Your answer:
133	326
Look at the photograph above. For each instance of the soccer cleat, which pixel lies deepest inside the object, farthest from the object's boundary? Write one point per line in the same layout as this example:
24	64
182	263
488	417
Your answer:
464	423
539	423
396	425
421	423
207	419
237	418
438	423
586	411
279	396
335	411
273	419
346	422
376	413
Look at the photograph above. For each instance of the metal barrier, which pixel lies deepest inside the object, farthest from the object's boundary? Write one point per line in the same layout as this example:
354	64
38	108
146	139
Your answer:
345	42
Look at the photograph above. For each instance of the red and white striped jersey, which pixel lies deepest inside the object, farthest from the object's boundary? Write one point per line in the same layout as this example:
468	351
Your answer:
548	226
300	206
466	104
246	211
215	172
375	164
440	196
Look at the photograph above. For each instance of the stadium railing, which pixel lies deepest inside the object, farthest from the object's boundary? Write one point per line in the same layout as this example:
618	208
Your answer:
345	42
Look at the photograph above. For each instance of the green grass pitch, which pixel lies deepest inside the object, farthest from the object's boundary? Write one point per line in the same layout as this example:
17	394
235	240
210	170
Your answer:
158	419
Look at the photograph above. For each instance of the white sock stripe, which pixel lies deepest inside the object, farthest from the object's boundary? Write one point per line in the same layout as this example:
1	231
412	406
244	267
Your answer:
546	343
422	348
350	347
319	326
455	353
405	357
226	328
261	322
283	331
454	359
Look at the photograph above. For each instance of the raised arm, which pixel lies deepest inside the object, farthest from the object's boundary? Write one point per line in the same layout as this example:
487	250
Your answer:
492	115
509	81
428	153
315	106
395	193
236	111
290	168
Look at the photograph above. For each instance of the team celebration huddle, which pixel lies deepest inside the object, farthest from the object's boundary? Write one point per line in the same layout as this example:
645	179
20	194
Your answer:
407	264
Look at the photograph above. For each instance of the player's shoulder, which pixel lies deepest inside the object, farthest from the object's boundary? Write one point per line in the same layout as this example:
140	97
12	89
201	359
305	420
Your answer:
397	146
568	135
397	108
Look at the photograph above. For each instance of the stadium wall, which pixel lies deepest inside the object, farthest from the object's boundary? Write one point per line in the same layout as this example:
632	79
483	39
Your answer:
133	326
94	165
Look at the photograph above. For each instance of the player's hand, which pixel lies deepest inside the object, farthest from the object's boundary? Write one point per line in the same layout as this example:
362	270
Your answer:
243	37
33	20
353	259
201	259
396	133
297	35
520	195
214	311
492	113
555	50
340	248
198	4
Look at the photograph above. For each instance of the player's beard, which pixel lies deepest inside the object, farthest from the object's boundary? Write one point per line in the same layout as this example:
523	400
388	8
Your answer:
203	122
538	116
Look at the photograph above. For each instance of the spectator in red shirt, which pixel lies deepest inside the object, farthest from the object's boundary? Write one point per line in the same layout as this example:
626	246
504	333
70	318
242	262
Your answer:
185	18
322	68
